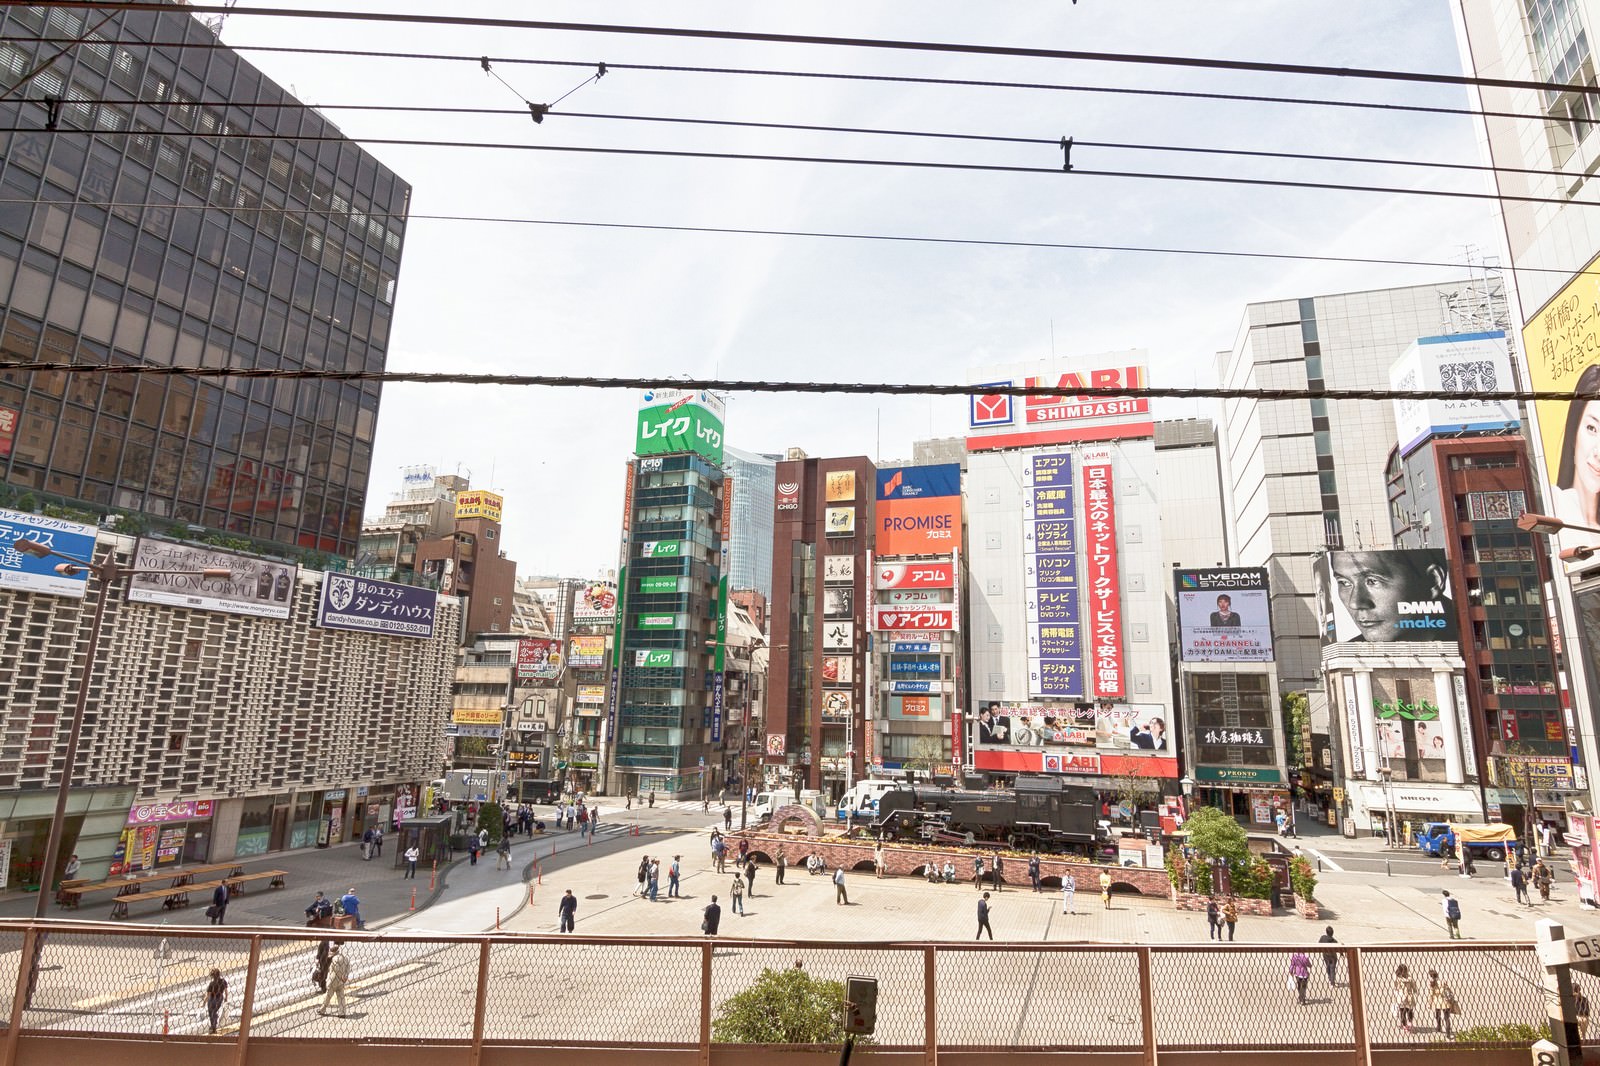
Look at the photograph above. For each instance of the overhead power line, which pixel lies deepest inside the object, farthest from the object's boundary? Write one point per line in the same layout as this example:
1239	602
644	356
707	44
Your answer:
824	75
814	40
1111	392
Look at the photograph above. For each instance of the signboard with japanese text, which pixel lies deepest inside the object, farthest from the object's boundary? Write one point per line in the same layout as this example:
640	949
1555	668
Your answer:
1050	577
1134	728
931	617
941	575
1462	364
586	652
591	694
596	604
839	486
260	588
837	705
538	659
367	606
839	636
838	602
30	573
473	503
840	521
787	496
8	436
838	670
918	510
675	420
838	569
154	813
999	420
485	716
660	549
1101	579
1558	343
1223	615
655	658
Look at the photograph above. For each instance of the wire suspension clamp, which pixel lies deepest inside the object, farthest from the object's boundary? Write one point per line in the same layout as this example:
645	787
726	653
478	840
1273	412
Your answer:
1066	149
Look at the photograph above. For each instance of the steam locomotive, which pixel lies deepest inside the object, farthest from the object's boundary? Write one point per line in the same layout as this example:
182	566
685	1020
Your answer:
1038	813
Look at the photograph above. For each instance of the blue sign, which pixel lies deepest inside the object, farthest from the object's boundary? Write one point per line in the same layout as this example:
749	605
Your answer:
911	686
367	606
30	573
916	482
908	666
911	647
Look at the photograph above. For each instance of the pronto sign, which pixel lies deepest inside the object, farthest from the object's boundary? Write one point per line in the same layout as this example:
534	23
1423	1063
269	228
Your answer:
672	421
999	420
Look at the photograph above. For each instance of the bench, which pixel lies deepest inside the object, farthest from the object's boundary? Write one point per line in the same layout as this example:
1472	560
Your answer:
67	893
236	884
171	896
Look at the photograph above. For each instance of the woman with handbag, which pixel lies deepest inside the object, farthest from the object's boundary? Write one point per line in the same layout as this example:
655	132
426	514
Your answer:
1443	1001
1405	997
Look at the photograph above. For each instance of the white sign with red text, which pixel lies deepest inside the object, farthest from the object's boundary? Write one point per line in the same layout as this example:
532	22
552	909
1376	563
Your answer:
902	618
915	576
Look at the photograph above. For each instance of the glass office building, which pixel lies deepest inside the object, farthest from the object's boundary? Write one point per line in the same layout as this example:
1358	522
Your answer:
754	495
186	211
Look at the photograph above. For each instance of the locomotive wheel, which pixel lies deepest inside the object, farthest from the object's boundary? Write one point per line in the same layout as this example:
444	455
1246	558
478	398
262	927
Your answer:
970	839
1011	840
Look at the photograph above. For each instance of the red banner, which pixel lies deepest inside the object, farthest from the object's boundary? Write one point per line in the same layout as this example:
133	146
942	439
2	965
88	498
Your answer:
8	430
958	752
1105	593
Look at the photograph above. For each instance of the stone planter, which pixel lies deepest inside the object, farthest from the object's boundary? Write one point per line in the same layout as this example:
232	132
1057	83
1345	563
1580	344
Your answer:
1193	901
1306	908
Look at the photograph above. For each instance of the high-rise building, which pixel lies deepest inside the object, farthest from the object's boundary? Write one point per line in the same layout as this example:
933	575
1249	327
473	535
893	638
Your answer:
750	547
214	222
1303	476
1194	528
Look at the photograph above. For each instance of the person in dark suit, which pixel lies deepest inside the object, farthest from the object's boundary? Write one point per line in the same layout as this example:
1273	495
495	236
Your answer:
1152	737
1223	615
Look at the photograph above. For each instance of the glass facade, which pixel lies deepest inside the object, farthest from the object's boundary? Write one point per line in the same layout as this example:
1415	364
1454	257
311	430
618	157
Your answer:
669	621
188	212
754	497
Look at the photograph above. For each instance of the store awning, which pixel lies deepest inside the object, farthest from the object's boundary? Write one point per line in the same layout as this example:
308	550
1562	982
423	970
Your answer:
1430	801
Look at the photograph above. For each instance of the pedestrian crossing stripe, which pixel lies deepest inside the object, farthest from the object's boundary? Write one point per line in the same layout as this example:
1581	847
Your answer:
304	1003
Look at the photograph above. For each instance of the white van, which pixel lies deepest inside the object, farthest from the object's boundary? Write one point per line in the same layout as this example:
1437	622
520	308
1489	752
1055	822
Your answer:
862	799
767	802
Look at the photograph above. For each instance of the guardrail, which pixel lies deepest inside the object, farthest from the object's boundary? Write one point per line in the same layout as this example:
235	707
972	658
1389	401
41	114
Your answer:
134	994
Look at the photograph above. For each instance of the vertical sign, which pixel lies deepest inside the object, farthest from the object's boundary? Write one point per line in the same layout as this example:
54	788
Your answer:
1469	754
958	752
1050	577
1105	597
1352	721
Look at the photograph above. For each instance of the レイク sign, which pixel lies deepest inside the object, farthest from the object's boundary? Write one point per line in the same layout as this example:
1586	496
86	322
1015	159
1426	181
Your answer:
1105	595
672	421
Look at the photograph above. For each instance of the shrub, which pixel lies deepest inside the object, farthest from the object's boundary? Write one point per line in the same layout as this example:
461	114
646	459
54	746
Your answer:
1302	877
783	1007
1505	1033
492	818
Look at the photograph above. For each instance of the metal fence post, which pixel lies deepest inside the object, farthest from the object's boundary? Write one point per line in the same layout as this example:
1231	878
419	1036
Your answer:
1358	1006
19	998
246	1008
706	951
479	1002
930	1001
1147	1007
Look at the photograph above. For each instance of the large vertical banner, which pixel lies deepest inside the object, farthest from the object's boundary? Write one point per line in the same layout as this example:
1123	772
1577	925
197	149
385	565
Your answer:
1105	593
1050	576
958	747
1559	344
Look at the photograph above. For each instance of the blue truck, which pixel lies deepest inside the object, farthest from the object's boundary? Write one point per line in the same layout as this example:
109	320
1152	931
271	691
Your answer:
1489	842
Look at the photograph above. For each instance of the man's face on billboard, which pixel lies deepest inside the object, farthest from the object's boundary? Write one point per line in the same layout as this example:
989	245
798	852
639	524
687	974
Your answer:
1372	585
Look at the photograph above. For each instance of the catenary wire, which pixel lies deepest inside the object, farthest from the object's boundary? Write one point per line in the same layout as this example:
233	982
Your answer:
815	40
895	79
746	231
1105	392
976	138
44	65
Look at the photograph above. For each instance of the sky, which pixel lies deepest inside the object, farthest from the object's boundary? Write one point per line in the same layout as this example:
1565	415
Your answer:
531	297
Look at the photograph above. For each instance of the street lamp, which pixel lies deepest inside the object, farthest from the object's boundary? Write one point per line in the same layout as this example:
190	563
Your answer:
107	572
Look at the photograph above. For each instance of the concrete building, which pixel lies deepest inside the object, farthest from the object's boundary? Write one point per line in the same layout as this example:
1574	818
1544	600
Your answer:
815	710
211	734
1194	527
750	547
467	562
1303	476
291	262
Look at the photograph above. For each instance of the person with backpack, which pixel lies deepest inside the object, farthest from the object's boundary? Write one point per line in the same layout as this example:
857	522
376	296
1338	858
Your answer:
1452	914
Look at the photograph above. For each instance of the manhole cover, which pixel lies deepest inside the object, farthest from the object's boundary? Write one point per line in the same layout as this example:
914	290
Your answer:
598	895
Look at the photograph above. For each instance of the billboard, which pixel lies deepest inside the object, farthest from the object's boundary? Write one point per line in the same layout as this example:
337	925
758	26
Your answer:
918	510
786	496
1050	576
261	588
8	429
367	606
586	652
840	521
1461	363
596	604
674	420
1223	615
928	618
838	670
591	694
1378	596
29	573
475	504
998	420
839	486
1106	727
1558	343
915	576
538	659
1101	578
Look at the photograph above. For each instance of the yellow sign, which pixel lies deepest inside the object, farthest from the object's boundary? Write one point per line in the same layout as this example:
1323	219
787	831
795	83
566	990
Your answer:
477	716
1560	346
1338	795
476	504
841	486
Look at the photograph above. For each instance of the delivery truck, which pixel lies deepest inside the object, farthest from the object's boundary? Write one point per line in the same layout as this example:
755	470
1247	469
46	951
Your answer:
1490	842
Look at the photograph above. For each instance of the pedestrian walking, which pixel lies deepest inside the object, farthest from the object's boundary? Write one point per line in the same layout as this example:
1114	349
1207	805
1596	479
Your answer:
366	845
983	918
673	873
840	896
629	806
997	872
338	977
377	841
1452	914
472	849
1230	918
712	918
216	997
1542	880
1442	998
483	839
727	818
567	912
504	853
1405	997
782	864
744	851
1468	867
737	895
877	859
1105	889
655	878
1213	920
719	853
652	799
352	907
750	875
219	905
1546	839
1519	885
1069	894
1033	871
977	873
1282	821
413	853
1330	957
1300	974
644	876
319	976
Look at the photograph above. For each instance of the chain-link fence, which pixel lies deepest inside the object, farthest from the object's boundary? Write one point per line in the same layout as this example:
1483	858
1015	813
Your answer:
1038	997
739	966
593	992
1497	992
1237	997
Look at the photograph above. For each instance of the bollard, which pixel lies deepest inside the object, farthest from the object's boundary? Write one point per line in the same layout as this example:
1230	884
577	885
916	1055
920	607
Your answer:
166	1022
530	895
1388	871
497	919
413	898
1319	864
433	874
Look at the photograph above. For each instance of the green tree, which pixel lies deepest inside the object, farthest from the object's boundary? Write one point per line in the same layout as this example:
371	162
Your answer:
1296	718
783	1007
1215	835
492	818
928	757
